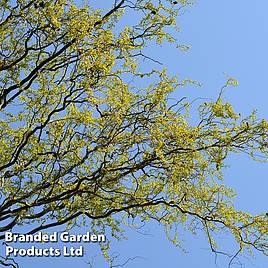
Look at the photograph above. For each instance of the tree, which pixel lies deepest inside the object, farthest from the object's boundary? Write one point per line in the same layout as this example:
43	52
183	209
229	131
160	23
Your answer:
81	145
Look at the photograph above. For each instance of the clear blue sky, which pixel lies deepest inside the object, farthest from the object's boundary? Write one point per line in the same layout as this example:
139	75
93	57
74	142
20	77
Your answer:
227	37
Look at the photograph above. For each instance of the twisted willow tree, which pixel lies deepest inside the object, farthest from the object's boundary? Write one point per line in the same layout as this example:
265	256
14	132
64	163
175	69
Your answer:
81	145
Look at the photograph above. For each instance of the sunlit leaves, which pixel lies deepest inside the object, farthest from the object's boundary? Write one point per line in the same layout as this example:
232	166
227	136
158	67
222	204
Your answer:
88	137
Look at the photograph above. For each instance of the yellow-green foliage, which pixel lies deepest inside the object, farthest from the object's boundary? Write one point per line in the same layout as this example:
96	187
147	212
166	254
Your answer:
82	144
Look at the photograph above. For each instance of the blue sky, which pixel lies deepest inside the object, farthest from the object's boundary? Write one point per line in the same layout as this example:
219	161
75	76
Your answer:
226	37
